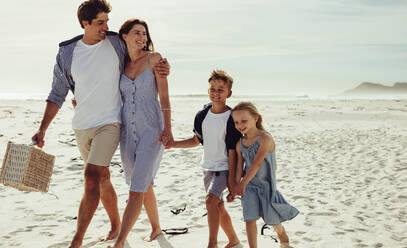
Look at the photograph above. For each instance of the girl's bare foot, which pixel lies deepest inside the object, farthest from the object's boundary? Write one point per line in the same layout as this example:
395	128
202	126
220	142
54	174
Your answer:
153	235
285	245
282	235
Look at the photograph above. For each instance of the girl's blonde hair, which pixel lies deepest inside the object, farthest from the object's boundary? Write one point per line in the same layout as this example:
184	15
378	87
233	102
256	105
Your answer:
248	106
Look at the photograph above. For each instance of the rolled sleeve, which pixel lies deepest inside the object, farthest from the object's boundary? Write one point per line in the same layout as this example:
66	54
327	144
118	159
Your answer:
60	84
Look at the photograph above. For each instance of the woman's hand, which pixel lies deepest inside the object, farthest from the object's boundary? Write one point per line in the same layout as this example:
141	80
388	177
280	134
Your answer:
73	102
166	137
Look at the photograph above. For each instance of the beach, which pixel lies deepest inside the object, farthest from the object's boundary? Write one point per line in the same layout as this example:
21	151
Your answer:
341	162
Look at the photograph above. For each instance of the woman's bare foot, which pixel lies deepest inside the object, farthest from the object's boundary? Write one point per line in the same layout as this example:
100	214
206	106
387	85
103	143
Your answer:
153	235
112	235
116	245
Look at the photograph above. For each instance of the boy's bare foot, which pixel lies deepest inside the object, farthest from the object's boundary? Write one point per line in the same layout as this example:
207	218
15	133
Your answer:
153	235
285	245
234	245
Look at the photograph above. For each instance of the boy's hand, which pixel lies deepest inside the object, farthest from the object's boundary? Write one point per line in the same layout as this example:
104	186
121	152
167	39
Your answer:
170	144
230	197
232	186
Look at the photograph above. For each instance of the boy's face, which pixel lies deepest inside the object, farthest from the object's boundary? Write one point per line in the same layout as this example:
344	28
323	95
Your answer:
218	91
96	30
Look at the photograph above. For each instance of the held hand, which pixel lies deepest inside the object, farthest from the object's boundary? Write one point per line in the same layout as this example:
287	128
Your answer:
230	197
240	188
170	144
166	137
232	187
39	138
162	68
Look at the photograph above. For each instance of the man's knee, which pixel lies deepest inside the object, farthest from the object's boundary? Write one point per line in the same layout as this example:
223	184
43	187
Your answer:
95	175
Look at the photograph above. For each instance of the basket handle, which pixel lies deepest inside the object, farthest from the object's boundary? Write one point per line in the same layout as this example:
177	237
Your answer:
33	143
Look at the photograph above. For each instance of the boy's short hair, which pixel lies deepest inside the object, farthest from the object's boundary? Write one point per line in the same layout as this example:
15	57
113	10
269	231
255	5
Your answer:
221	75
89	9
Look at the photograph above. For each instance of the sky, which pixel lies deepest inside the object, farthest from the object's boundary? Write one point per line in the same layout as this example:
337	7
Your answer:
270	47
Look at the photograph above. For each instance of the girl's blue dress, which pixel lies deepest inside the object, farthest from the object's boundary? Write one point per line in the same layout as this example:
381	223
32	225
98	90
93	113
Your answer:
261	197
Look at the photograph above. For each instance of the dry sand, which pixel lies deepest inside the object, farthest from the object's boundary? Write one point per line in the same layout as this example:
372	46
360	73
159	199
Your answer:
342	163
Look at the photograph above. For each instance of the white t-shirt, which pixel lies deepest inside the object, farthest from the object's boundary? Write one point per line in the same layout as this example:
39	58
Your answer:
215	157
95	70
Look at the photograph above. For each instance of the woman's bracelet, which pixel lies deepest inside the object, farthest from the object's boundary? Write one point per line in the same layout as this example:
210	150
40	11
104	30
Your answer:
165	109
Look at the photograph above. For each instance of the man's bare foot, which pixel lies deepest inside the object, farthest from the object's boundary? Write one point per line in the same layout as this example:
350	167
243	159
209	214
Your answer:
112	235
212	246
75	243
153	235
234	245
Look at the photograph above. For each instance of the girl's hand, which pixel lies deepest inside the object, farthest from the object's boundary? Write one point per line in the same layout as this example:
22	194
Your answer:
240	188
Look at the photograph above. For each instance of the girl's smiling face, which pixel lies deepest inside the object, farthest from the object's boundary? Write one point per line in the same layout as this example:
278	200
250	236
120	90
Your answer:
244	121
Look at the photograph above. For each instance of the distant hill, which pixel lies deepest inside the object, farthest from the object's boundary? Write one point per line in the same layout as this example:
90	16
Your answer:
373	89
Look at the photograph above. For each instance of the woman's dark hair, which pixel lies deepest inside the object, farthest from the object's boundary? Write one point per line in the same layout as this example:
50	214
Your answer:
89	9
129	24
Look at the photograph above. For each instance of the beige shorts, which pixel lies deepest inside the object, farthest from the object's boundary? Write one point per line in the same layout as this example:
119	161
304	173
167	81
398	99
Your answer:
97	145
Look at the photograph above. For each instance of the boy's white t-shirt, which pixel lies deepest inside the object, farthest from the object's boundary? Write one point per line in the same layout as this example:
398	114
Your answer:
215	156
96	72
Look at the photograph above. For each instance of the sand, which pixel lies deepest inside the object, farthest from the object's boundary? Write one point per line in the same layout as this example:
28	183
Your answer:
342	163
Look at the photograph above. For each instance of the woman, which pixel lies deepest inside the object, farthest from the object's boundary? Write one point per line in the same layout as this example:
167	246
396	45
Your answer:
146	125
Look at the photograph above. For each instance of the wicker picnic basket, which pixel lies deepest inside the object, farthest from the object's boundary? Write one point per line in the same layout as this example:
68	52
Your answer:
26	168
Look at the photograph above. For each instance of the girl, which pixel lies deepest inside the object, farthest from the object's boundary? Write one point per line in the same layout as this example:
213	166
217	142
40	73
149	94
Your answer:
257	187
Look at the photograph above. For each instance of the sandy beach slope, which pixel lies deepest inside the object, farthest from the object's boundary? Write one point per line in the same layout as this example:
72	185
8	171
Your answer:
342	163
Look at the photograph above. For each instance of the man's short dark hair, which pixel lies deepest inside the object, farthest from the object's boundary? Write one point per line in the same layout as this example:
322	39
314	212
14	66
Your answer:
89	9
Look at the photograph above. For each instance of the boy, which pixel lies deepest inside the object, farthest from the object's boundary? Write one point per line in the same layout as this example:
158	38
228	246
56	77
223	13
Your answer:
215	130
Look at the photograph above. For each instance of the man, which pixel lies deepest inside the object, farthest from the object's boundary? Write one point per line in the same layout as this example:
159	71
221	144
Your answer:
90	66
